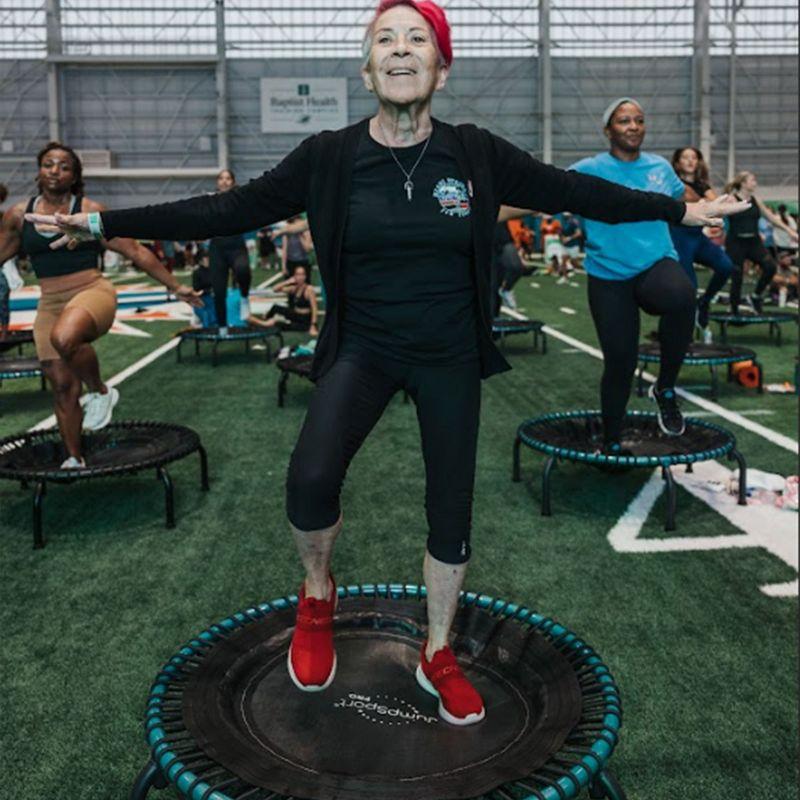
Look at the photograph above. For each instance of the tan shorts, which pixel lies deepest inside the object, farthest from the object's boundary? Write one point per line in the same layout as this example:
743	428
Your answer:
88	290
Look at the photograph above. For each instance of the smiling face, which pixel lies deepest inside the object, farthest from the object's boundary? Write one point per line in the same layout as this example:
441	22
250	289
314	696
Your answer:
404	66
626	128
56	172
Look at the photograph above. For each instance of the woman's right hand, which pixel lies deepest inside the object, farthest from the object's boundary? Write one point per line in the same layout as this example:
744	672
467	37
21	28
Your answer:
75	228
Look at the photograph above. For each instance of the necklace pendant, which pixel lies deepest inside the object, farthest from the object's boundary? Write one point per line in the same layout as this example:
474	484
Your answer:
409	187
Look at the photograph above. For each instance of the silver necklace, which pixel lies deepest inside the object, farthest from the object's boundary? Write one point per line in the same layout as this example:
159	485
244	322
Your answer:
409	184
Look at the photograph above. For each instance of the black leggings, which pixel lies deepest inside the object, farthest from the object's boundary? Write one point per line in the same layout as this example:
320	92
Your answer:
506	271
347	403
664	290
221	260
295	321
751	249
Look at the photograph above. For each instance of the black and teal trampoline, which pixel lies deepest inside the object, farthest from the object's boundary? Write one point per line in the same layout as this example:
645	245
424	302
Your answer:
12	367
16	339
245	335
122	448
299	365
773	319
713	356
503	327
577	436
224	720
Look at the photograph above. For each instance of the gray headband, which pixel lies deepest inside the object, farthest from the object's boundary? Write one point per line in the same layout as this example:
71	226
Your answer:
609	112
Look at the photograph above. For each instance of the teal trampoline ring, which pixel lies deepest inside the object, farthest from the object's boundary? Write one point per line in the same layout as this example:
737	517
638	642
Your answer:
774	319
577	436
199	746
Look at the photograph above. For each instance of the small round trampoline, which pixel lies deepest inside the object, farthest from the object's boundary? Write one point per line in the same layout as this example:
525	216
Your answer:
12	367
503	327
16	339
577	436
772	318
246	335
699	354
292	365
122	448
224	721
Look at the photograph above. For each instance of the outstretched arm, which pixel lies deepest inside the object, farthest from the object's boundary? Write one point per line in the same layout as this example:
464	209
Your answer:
10	239
525	182
774	219
277	194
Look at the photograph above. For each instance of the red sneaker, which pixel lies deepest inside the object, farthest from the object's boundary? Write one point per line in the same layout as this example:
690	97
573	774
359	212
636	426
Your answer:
459	702
312	659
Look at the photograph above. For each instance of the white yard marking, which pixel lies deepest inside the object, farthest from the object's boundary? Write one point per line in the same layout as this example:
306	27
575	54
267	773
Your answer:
763	526
567	310
535	286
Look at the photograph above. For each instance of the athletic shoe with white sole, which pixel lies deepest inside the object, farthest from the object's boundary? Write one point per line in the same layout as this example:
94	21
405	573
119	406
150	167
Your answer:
73	463
670	418
98	408
459	701
312	659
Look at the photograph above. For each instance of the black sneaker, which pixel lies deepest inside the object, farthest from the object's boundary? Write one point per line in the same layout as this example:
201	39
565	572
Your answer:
670	419
703	310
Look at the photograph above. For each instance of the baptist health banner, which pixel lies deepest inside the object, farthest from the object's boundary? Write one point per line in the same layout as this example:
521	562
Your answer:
303	105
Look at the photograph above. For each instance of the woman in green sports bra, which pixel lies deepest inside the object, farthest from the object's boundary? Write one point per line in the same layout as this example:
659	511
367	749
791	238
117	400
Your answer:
77	304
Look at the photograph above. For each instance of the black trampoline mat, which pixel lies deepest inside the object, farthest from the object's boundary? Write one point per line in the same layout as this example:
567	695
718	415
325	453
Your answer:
776	317
701	353
233	334
15	338
374	733
122	447
19	366
516	325
300	365
641	435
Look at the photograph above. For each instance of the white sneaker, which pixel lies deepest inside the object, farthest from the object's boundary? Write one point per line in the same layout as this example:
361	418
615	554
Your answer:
73	463
223	331
708	337
98	408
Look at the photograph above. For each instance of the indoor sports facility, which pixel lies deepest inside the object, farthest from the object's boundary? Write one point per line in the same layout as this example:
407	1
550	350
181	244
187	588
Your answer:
399	399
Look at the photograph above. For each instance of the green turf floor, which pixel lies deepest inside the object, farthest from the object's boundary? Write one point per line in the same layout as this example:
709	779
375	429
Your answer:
706	663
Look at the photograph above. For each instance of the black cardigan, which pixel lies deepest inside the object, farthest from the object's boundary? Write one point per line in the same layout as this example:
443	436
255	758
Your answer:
315	177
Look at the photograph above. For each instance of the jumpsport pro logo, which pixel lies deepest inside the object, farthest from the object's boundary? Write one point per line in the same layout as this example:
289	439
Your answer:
384	710
453	197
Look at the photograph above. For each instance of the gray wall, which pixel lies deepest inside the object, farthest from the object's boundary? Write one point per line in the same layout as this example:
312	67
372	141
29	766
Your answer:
165	116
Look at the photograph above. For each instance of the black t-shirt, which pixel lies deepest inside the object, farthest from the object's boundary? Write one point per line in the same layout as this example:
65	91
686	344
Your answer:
408	285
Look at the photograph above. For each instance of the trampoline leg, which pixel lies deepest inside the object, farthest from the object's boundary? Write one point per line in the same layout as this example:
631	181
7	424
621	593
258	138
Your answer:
282	388
760	369
606	786
544	343
44	382
671	498
197	347
178	351
201	451
169	496
515	462
38	495
150	776
547	511
735	454
723	331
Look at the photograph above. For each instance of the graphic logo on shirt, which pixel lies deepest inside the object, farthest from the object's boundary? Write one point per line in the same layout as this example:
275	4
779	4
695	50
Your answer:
656	183
453	197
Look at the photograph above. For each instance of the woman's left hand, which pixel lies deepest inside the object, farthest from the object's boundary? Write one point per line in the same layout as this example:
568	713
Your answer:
189	295
75	228
711	212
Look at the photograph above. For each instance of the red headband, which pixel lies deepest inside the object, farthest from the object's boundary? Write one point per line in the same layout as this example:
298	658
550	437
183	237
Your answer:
434	16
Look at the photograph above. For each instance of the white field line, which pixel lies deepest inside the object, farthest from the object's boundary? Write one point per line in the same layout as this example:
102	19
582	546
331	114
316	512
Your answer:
764	526
567	310
120	376
776	438
270	281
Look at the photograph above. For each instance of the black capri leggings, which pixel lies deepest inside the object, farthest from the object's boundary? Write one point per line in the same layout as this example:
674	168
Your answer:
663	290
221	260
752	249
347	403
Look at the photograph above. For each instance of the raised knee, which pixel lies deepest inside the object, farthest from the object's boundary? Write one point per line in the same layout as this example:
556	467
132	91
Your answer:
65	343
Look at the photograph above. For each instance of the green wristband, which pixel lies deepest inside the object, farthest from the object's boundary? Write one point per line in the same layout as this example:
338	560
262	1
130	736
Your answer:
95	224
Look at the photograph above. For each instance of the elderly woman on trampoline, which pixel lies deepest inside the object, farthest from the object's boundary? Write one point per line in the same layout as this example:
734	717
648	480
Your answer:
402	208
